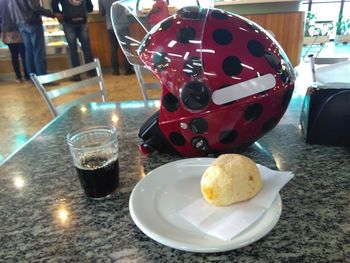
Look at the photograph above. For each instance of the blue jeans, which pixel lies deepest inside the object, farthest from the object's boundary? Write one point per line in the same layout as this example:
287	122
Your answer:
73	33
34	43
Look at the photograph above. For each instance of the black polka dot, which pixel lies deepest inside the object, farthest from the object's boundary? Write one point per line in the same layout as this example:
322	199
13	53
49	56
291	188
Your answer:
200	143
274	61
185	34
177	139
170	102
193	66
253	112
286	98
192	12
166	24
160	61
219	14
199	125
227	137
269	125
222	36
232	66
256	48
195	95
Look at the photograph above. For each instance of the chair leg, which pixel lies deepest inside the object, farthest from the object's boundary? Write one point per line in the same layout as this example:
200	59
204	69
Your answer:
141	82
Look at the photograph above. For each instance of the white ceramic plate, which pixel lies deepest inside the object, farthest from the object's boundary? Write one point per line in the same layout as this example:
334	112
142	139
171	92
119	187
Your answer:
157	198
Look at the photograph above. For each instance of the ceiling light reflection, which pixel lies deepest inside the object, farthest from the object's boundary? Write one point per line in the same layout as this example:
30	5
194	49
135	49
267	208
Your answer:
115	118
206	51
195	41
246	66
18	182
172	43
186	55
243	29
83	108
63	215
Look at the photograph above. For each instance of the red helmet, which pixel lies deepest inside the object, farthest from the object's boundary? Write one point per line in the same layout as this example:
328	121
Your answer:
225	82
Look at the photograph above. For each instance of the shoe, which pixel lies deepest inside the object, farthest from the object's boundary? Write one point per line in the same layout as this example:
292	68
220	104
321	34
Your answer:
18	80
129	72
75	78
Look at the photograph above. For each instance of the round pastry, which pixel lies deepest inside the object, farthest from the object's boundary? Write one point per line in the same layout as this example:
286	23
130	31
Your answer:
231	178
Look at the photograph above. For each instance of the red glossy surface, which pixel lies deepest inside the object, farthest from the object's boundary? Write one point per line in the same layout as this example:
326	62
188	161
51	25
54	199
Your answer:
229	50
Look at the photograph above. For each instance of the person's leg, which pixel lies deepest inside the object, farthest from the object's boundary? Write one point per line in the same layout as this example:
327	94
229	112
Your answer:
29	56
14	60
71	37
71	34
83	36
39	49
113	44
21	50
126	47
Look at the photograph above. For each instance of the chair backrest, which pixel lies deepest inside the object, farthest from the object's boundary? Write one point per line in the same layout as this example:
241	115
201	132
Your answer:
315	61
146	80
75	93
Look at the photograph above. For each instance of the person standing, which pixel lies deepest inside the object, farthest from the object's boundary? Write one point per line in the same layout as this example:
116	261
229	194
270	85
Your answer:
158	12
11	36
27	15
75	28
104	9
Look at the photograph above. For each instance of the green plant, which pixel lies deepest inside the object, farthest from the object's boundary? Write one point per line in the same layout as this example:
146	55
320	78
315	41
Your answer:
309	24
343	26
314	28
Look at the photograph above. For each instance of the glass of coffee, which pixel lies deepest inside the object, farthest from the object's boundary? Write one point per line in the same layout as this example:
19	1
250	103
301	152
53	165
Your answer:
95	154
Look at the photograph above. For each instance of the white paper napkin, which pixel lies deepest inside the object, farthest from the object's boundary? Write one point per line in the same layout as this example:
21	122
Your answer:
229	221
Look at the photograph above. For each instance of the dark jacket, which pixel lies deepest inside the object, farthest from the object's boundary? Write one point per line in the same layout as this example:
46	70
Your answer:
27	11
73	13
104	7
7	24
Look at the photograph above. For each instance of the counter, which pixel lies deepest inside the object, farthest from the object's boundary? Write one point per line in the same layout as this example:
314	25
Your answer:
282	18
45	216
259	6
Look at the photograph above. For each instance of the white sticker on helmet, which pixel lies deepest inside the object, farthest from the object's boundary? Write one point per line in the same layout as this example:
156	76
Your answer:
243	89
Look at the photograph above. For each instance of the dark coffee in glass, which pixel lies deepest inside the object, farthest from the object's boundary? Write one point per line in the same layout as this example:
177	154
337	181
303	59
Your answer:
95	154
98	177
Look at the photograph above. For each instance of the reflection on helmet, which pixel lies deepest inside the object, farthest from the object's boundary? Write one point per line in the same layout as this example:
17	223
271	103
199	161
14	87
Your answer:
225	82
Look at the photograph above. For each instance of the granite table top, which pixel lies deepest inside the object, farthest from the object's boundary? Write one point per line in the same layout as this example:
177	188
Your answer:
45	216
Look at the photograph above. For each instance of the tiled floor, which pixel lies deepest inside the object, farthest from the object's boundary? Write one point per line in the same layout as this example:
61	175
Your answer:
23	111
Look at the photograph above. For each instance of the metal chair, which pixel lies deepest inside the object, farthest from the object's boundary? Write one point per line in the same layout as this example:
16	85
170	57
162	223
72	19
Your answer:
316	61
145	85
76	93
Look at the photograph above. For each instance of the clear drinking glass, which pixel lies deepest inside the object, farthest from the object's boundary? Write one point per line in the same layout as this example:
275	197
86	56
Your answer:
95	154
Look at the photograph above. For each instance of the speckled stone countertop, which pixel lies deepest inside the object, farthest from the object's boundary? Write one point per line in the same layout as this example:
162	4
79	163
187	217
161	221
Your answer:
45	216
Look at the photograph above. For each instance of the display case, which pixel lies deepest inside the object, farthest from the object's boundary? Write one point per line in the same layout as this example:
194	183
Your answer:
54	37
56	49
4	52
